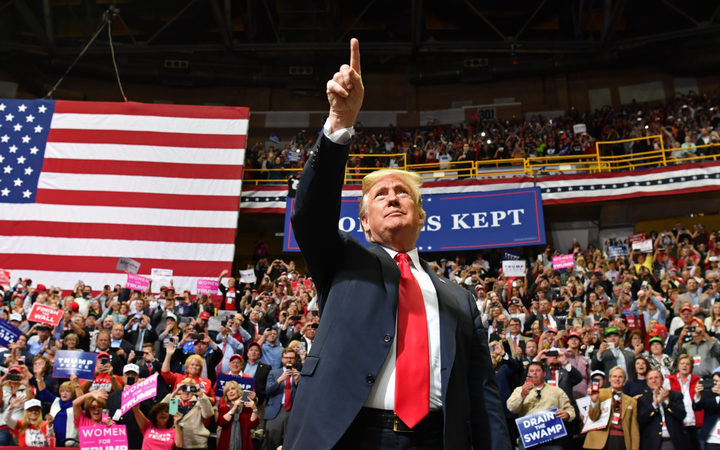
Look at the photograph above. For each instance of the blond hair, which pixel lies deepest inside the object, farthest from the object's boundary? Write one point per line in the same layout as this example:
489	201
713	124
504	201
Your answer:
412	180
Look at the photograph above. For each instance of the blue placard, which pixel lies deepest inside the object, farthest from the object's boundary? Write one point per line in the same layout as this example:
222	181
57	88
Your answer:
74	362
510	255
471	221
617	251
540	427
8	333
246	383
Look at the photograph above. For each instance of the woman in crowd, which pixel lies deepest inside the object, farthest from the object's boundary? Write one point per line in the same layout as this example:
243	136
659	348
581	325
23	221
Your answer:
193	369
42	369
296	346
634	343
657	359
87	409
61	409
236	418
70	342
622	430
193	407
160	430
712	323
95	308
31	430
14	388
685	382
638	384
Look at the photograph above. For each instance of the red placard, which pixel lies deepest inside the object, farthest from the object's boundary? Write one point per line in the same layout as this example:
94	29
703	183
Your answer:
45	314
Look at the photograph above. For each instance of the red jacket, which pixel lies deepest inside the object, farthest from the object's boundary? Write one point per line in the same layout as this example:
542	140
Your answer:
675	386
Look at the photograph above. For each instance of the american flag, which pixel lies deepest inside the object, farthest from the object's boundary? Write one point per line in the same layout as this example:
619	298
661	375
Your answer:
84	183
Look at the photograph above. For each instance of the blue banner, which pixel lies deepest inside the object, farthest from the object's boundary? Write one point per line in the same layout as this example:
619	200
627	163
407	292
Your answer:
511	218
246	383
540	427
617	251
74	362
8	333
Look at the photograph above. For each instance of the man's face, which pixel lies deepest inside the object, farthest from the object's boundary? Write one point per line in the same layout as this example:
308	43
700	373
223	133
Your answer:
288	359
254	317
103	341
148	354
272	336
617	379
687	316
253	353
514	327
107	323
117	331
531	348
235	365
310	332
692	285
654	380
544	307
536	374
391	215
613	339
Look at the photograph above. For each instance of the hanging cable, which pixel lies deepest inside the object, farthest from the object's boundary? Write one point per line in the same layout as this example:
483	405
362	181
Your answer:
112	53
107	20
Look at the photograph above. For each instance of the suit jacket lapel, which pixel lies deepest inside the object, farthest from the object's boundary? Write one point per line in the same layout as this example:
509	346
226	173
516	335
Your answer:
391	276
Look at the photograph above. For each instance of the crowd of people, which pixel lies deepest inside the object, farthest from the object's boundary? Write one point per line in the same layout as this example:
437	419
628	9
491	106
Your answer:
635	333
687	123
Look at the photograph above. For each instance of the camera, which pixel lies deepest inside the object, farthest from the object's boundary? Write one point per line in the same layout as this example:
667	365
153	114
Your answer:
196	336
595	385
189	388
708	384
288	367
314	325
14	376
692	329
551	353
104	360
295	317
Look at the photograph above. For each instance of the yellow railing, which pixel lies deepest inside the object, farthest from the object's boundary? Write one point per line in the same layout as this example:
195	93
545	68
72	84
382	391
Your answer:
603	160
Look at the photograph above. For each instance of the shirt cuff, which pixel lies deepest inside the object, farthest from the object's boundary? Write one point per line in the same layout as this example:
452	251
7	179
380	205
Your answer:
341	136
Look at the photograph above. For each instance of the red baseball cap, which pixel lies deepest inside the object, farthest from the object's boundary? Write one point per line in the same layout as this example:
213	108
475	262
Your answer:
658	330
575	334
205	315
41	288
236	356
686	308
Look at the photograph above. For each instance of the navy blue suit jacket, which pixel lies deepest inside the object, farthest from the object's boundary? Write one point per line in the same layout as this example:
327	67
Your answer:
357	294
650	422
275	393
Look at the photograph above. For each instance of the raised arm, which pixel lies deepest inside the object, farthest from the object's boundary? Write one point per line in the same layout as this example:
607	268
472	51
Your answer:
139	416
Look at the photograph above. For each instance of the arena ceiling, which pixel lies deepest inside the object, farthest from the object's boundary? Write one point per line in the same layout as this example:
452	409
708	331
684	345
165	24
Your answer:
295	44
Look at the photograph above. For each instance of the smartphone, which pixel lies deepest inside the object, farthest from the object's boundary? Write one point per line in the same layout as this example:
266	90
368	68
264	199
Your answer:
245	396
595	385
528	379
611	345
173	406
105	415
708	384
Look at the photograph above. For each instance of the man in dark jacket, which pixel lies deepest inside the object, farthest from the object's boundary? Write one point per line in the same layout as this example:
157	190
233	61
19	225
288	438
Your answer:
660	415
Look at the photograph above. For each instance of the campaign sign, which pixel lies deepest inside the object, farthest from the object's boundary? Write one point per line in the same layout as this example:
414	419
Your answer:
563	261
8	333
4	278
540	427
128	265
138	392
74	362
246	383
459	221
510	255
248	276
617	251
160	278
205	286
104	438
645	246
45	314
637	237
137	282
513	268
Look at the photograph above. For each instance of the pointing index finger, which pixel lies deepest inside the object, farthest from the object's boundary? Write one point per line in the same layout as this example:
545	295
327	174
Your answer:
355	55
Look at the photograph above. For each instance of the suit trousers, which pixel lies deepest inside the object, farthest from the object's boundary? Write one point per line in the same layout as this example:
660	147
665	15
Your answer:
275	430
360	436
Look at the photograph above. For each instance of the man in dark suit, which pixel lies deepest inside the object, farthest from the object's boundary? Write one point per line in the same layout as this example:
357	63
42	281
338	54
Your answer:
660	415
141	334
280	383
357	386
259	371
611	354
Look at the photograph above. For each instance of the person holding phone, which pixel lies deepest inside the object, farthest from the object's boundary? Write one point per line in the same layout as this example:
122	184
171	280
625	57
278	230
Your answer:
687	383
31	430
190	401
237	415
707	401
160	430
14	387
89	410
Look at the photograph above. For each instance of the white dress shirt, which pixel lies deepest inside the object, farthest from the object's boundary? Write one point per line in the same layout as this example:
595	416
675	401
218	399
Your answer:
382	395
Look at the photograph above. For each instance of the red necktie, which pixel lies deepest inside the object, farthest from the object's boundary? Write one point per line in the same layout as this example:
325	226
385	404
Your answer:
288	394
412	366
149	366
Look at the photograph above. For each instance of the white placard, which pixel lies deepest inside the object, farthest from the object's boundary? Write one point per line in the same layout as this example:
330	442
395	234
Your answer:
160	278
579	128
514	268
645	246
128	265
247	276
589	425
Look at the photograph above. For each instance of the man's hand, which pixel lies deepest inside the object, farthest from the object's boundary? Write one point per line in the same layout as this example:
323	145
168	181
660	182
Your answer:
345	91
526	388
561	413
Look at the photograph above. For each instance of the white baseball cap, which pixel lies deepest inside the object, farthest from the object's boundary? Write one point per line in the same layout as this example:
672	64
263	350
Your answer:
33	403
131	368
16	316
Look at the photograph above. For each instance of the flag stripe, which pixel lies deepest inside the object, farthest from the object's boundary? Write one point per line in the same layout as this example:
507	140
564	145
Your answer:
181	125
167	201
157	109
80	266
148	169
112	247
147	138
119	183
87	215
119	152
117	231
